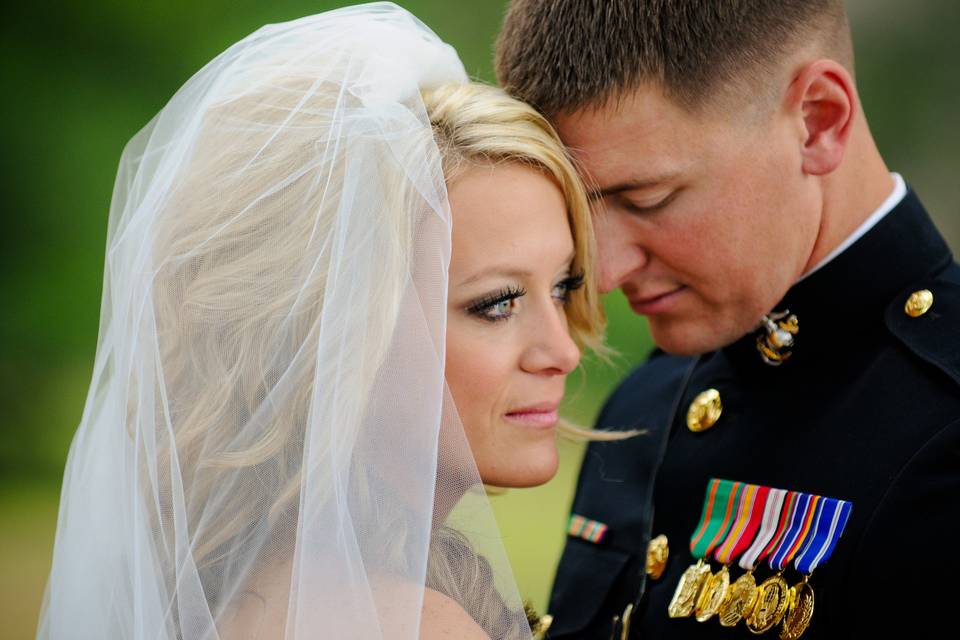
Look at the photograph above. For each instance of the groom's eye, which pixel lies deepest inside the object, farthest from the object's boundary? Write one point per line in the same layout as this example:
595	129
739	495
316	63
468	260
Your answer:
646	207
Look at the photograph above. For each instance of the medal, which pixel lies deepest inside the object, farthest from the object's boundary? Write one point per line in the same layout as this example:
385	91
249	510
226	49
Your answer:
743	592
741	599
762	617
761	514
799	612
685	595
831	520
754	523
718	506
773	598
716	591
713	595
774	595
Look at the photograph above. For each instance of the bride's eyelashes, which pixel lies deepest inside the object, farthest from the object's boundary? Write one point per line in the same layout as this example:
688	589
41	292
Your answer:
563	289
498	306
501	305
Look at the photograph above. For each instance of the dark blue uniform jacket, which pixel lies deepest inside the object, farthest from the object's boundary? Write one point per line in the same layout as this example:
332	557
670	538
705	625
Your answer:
867	410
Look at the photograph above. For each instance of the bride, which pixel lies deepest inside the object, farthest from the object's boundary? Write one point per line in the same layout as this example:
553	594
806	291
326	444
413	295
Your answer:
343	288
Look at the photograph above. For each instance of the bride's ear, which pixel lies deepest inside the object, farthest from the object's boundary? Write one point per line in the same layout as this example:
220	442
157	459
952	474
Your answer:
823	99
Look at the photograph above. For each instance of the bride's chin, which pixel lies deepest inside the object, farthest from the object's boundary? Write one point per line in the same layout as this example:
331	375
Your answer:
528	467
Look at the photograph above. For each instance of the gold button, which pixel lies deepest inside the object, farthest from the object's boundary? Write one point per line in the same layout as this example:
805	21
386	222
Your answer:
704	411
919	303
657	553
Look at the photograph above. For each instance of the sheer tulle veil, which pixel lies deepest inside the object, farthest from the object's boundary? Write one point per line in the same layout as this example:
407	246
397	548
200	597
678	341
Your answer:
268	448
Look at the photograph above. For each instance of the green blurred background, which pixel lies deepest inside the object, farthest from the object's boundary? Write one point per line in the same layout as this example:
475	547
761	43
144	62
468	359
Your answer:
81	78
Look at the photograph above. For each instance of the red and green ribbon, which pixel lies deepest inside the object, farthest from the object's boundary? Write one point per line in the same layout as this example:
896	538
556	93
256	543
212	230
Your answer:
719	508
753	500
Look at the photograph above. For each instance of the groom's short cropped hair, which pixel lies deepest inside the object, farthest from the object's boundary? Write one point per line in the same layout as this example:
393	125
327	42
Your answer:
562	55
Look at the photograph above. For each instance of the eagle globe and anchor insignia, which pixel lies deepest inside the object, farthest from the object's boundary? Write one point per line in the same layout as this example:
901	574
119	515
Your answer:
777	338
753	523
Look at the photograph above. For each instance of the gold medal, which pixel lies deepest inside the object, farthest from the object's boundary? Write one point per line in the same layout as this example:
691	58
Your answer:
713	595
740	601
773	599
719	507
799	613
688	590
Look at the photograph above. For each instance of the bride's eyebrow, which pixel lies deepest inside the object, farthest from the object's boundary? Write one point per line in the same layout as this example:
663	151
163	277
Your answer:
501	271
506	271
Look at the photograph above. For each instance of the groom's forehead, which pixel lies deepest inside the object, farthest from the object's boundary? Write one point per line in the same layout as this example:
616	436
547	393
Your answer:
647	112
643	138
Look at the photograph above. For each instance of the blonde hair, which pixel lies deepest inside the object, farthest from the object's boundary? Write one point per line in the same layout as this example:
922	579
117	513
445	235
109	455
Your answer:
476	124
218	315
238	299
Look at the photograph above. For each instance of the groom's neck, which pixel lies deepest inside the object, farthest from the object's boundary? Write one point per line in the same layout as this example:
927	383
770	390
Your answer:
851	193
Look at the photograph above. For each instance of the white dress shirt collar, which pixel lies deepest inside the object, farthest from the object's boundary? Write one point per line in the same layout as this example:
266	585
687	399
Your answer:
899	191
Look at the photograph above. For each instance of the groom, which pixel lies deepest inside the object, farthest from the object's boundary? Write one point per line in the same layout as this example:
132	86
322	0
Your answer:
807	314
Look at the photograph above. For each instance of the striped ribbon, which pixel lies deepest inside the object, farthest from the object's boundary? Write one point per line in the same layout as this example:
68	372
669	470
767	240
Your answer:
786	517
803	516
719	506
831	520
749	516
768	528
589	530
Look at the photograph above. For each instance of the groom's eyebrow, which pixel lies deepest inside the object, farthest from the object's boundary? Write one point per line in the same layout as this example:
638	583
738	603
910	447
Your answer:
629	185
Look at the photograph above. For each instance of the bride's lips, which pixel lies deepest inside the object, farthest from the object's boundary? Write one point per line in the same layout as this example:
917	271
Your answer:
655	304
544	415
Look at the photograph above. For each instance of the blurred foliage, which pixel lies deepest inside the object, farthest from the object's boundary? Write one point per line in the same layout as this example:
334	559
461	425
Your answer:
81	78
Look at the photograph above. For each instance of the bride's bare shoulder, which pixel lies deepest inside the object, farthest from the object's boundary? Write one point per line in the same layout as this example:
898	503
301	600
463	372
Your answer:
444	618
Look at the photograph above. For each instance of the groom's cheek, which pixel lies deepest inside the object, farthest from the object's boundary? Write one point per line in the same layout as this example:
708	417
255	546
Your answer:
620	252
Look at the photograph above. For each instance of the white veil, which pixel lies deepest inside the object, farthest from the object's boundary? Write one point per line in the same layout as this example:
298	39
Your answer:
268	447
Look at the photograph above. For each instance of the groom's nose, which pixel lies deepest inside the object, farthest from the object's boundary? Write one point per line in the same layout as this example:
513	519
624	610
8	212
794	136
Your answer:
619	255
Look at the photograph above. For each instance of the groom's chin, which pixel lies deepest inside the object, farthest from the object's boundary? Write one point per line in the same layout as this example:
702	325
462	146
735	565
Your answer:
690	338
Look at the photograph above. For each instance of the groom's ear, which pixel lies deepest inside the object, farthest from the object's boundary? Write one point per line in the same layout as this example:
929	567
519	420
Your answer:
823	99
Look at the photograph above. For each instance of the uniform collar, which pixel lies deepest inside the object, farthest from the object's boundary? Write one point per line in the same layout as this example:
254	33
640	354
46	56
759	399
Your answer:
896	197
841	304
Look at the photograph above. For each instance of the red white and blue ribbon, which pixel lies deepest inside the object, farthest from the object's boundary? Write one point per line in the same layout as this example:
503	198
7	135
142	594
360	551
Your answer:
768	529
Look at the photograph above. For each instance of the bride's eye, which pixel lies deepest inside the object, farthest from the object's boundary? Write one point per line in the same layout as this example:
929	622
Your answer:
497	307
563	289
